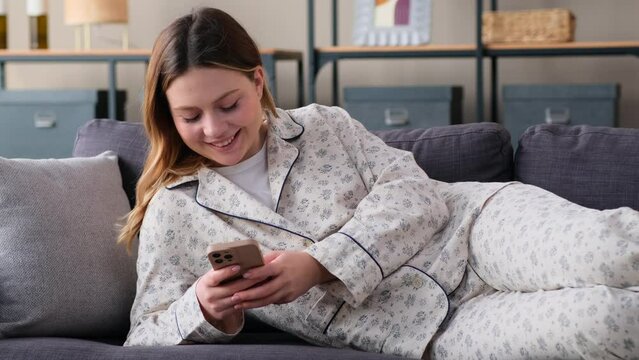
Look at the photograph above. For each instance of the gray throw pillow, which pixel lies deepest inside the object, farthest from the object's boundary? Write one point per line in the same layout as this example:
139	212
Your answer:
61	271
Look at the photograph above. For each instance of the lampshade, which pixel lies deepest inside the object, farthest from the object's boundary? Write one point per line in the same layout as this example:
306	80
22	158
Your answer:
78	12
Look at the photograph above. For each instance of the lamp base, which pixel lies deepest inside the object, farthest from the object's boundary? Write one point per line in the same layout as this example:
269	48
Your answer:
83	37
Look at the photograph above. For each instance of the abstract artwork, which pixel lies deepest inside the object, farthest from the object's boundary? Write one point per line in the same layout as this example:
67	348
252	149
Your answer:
392	22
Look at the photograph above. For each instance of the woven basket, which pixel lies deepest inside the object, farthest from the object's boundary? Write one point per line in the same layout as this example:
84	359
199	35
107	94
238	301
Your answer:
546	25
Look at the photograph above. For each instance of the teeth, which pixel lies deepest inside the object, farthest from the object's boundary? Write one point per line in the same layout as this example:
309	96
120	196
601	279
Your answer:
225	143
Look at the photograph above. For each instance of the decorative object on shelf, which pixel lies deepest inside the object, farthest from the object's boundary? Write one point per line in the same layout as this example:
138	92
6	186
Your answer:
3	24
392	22
38	24
544	25
84	13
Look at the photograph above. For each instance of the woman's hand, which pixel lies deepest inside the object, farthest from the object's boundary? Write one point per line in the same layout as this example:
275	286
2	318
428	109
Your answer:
285	276
216	300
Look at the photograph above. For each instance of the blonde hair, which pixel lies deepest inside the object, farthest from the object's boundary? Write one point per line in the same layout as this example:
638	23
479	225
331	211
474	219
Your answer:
205	38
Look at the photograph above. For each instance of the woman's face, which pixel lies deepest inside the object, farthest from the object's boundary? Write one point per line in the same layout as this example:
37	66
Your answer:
218	114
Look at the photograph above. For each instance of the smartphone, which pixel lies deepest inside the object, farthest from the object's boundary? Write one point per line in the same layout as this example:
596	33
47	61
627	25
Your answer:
245	253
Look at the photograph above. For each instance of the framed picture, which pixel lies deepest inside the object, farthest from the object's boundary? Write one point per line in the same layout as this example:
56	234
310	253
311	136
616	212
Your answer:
392	22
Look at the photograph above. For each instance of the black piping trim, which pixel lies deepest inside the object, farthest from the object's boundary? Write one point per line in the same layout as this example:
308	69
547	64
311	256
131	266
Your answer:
175	186
277	206
302	126
441	287
257	221
369	254
333	317
458	285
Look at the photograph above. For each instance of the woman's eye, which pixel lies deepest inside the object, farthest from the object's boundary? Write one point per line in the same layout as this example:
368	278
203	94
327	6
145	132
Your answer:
229	108
189	119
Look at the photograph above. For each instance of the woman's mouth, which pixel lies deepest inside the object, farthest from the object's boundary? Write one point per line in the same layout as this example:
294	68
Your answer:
223	143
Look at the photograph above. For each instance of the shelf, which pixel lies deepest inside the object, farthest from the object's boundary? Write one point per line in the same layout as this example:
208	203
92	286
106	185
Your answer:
470	50
320	56
580	48
328	54
114	56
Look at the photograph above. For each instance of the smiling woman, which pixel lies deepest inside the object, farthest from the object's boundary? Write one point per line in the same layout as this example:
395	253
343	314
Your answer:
218	114
361	248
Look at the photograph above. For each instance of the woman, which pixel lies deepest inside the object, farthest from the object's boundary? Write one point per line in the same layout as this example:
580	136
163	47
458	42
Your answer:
362	249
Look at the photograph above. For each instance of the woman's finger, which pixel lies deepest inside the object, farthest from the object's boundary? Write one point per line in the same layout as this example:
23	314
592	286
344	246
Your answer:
218	315
214	278
261	291
275	298
263	272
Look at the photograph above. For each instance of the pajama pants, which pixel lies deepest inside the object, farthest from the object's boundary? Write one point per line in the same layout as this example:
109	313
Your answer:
546	279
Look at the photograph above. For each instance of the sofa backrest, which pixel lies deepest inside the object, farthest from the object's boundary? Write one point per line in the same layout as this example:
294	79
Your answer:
126	139
594	166
465	152
468	152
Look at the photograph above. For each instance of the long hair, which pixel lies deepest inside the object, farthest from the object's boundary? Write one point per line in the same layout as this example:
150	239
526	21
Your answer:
205	38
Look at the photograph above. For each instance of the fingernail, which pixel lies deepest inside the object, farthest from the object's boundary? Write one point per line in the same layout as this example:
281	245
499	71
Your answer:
247	275
235	268
237	307
235	297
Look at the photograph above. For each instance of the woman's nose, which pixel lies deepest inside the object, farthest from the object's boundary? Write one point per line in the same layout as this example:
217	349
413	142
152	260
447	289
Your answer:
213	127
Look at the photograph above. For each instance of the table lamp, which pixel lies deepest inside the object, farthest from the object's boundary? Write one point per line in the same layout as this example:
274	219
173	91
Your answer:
84	13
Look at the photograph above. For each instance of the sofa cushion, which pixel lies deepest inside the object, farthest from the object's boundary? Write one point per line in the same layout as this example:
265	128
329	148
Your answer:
61	272
597	167
265	348
127	140
467	152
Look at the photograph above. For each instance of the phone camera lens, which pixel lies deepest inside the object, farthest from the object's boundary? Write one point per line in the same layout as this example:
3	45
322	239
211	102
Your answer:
219	261
216	255
228	256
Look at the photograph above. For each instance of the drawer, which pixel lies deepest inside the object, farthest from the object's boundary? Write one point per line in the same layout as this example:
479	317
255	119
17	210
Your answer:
383	108
41	131
528	105
43	123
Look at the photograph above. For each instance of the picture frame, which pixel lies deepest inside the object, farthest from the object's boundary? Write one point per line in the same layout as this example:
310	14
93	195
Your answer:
392	22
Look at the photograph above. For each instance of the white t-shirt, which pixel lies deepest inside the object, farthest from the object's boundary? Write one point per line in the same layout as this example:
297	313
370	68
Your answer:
252	176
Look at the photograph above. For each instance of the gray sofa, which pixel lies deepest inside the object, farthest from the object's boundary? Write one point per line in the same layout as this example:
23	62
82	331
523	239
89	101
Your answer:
593	166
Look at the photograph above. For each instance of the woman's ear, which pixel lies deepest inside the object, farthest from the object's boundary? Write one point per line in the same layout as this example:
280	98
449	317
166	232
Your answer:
258	79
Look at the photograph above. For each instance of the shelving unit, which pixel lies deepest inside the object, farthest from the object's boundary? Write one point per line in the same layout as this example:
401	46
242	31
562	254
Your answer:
320	56
113	57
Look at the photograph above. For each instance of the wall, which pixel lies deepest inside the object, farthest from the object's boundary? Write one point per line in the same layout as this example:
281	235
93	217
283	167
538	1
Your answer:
282	23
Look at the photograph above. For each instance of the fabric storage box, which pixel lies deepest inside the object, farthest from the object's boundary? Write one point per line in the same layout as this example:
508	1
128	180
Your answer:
43	123
380	108
527	105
